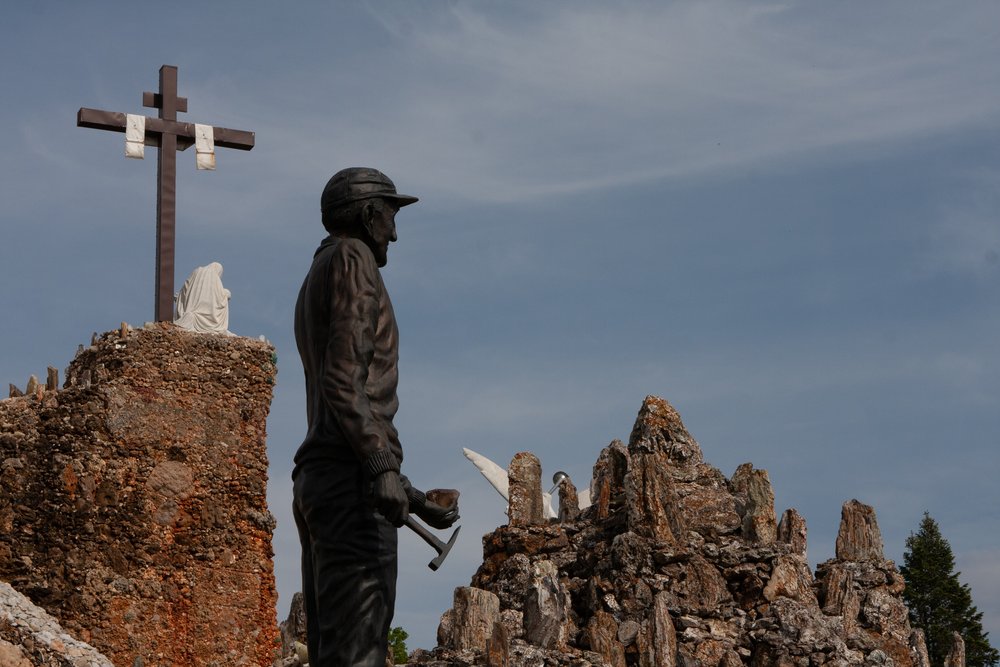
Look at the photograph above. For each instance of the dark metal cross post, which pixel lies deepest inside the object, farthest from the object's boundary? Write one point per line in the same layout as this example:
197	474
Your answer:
170	136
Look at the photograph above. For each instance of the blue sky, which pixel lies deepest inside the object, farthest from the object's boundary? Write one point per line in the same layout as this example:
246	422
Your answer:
782	217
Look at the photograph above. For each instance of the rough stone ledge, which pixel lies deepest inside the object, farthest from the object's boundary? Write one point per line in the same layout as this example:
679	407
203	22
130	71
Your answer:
30	637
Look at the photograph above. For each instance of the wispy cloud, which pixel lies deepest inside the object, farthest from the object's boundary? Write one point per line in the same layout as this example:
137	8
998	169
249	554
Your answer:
593	96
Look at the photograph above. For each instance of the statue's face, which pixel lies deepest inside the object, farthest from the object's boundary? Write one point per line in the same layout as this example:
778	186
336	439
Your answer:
381	228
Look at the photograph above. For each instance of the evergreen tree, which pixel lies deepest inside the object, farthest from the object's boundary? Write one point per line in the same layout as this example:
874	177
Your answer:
397	645
938	602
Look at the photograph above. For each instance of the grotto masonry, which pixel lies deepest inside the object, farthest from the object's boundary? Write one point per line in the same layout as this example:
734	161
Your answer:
674	565
133	504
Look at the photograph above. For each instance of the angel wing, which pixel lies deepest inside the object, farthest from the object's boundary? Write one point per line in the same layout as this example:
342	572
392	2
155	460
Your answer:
493	473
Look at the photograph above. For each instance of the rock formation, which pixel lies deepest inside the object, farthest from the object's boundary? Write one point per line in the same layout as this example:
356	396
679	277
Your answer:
132	501
674	565
29	637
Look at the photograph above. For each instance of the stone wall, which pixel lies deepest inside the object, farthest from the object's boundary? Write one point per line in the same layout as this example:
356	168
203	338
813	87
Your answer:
674	565
133	500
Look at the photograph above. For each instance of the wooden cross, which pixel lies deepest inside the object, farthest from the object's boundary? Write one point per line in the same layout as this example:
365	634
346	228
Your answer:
170	136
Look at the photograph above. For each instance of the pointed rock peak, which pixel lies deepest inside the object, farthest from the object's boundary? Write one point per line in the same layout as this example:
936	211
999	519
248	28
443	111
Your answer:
956	655
859	538
755	503
659	428
918	648
607	488
792	531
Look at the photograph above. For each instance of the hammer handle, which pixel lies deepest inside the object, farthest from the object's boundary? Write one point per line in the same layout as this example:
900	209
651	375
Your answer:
425	534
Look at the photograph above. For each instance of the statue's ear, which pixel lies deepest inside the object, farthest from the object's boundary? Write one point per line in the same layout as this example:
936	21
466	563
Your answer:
368	218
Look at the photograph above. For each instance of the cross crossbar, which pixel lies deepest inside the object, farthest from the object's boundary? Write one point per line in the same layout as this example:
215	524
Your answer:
115	122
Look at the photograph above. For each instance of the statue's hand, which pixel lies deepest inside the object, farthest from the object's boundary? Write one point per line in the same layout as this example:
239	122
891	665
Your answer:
436	516
390	498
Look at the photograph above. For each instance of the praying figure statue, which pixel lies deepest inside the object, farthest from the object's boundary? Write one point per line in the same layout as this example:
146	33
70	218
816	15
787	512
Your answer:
202	305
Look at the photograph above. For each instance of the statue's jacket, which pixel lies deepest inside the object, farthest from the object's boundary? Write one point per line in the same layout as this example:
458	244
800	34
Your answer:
347	337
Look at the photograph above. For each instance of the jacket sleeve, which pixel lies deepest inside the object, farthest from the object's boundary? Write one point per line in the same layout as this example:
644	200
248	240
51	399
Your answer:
354	306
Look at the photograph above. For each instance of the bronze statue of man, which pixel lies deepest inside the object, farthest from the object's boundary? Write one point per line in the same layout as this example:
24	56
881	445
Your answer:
349	495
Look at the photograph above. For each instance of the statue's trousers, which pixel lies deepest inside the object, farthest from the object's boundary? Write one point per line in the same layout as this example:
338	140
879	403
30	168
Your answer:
348	565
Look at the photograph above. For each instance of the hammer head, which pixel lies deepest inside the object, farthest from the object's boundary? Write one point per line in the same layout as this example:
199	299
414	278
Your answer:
436	563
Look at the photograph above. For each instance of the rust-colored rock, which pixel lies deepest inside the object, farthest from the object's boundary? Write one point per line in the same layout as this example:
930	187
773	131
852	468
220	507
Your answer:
608	487
652	504
697	586
664	644
443	497
602	634
569	501
133	505
707	505
790	578
658	427
525	500
498	647
859	538
473	616
792	531
51	379
837	585
759	523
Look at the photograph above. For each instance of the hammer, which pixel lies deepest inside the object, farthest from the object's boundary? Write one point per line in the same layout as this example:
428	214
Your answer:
448	499
432	540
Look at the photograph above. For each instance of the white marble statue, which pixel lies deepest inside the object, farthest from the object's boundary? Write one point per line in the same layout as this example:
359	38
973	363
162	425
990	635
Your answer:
203	303
497	477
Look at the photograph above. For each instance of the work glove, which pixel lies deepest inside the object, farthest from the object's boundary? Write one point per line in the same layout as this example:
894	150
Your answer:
436	516
390	498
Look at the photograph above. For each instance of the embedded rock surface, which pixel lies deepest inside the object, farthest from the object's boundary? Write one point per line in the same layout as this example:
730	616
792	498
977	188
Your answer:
133	500
675	565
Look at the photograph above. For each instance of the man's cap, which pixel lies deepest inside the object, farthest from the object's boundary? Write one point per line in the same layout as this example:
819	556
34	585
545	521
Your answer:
356	183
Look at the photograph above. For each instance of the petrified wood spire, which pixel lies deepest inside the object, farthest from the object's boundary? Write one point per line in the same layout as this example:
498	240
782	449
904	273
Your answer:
859	538
525	504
